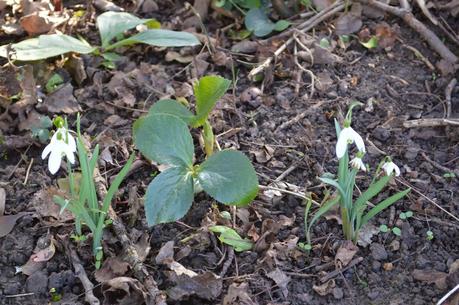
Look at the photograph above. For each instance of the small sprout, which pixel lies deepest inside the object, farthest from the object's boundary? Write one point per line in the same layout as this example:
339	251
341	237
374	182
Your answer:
324	43
345	38
53	83
449	175
370	44
405	215
430	235
383	229
55	296
397	231
225	215
305	247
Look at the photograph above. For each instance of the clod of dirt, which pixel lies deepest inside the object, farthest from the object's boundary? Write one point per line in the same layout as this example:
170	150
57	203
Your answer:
37	283
338	293
61	101
378	252
62	279
252	96
325	288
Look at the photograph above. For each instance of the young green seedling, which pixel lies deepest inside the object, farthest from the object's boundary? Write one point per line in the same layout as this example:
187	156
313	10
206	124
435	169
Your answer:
82	201
395	230
163	136
353	214
232	238
111	25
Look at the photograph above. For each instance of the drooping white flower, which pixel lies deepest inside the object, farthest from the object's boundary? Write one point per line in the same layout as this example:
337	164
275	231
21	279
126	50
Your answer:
390	167
358	164
62	144
348	136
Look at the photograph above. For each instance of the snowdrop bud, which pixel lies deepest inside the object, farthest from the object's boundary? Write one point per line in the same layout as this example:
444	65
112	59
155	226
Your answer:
390	167
62	144
357	163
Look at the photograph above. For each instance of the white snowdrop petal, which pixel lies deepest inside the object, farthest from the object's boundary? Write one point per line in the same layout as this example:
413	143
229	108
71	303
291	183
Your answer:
343	141
46	151
397	170
358	141
54	162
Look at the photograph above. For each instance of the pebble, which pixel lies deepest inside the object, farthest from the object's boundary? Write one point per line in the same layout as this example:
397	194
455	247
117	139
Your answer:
395	245
37	283
381	133
411	152
378	252
338	293
373	295
61	279
375	266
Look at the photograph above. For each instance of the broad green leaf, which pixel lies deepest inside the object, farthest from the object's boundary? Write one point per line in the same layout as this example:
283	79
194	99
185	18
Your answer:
231	237
229	177
172	107
159	38
257	22
111	24
164	138
45	46
384	205
169	196
281	25
397	231
208	90
249	3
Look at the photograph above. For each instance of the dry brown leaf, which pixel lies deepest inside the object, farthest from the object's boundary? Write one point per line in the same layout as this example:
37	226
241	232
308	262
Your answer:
112	267
281	279
44	251
176	56
124	291
46	207
207	286
431	277
35	24
238	295
143	247
106	6
8	222
166	254
386	35
29	90
46	254
325	288
345	253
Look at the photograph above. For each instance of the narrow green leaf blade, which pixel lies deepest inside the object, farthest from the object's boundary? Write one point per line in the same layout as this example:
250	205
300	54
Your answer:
164	138
45	46
229	177
384	205
231	237
208	91
169	196
159	38
111	24
172	107
334	184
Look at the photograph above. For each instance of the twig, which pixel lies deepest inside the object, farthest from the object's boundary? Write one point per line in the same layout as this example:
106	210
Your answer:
427	198
28	172
426	12
81	274
443	299
448	92
420	56
229	259
300	116
407	16
439	166
311	75
304	27
430	123
337	272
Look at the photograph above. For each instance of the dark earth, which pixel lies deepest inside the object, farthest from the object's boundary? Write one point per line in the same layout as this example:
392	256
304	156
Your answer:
394	86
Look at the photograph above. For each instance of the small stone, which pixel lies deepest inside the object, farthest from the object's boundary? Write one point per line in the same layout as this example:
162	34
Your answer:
381	133
378	252
37	283
373	295
388	266
411	152
395	245
12	288
61	279
338	293
375	266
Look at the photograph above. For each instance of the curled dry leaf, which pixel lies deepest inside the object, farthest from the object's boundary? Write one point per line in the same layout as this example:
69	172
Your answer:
281	279
124	290
166	254
345	253
112	267
351	21
61	101
43	252
431	277
46	207
238	295
325	288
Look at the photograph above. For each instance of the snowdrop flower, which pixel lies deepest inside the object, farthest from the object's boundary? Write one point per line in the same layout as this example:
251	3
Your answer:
357	163
62	143
390	167
348	136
